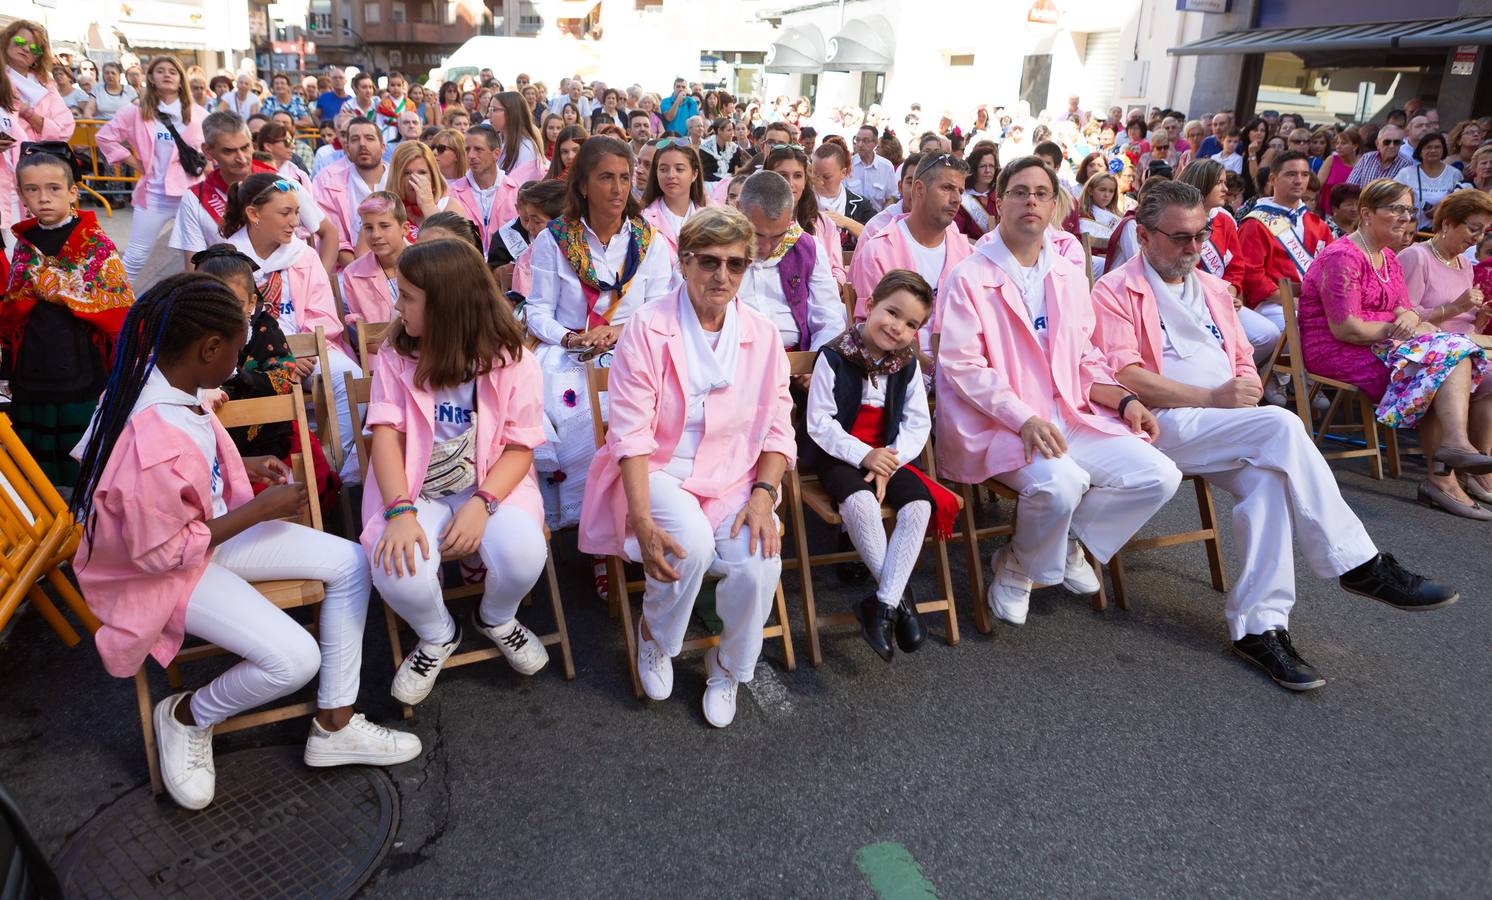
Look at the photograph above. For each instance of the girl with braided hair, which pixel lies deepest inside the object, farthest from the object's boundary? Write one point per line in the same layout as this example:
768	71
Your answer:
173	537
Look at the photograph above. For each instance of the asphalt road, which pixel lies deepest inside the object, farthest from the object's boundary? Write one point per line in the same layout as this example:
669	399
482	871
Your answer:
1086	754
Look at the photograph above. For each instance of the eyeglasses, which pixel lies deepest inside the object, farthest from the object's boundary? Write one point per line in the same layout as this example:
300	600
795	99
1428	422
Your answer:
710	264
1398	210
1021	195
29	46
1390	142
1200	237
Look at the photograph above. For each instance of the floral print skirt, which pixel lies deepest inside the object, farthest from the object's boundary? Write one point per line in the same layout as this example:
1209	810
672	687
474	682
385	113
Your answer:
1417	368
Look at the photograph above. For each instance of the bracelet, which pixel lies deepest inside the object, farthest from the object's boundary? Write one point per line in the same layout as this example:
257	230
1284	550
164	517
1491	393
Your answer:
1125	402
398	501
396	511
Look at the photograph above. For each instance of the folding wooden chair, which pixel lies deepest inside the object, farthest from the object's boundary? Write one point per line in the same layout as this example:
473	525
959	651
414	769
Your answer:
1289	361
287	594
1206	534
319	396
370	336
37	536
359	391
806	491
621	589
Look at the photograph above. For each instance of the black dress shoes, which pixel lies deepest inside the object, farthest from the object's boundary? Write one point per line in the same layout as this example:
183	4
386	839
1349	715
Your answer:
909	631
1383	579
1273	652
878	626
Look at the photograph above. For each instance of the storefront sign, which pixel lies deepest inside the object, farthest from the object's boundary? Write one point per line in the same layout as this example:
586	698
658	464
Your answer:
1464	62
1042	12
1204	6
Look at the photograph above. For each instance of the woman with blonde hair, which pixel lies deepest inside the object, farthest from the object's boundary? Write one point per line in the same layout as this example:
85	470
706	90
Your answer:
1098	215
415	176
449	149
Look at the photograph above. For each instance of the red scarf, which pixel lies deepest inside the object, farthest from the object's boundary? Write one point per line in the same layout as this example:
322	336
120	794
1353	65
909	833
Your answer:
870	427
212	191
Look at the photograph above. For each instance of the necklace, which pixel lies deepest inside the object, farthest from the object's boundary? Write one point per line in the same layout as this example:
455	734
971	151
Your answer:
1453	262
1380	268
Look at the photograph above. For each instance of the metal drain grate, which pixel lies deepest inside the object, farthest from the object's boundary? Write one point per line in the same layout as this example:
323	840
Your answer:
276	828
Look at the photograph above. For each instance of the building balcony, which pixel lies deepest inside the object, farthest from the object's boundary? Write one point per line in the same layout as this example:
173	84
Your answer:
417	32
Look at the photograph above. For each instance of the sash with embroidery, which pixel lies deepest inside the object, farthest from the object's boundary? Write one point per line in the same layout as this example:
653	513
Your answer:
1214	262
570	236
514	239
1284	232
976	211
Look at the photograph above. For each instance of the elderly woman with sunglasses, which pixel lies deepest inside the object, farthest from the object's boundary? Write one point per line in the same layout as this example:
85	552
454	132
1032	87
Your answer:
700	435
1358	324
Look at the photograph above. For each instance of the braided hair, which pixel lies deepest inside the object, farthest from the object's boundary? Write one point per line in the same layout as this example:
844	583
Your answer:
162	323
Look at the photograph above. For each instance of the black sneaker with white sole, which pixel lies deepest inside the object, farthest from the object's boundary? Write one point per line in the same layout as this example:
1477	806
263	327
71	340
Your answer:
1273	652
1383	579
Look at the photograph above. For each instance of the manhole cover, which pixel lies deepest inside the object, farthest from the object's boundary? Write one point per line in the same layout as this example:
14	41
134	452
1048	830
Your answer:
277	828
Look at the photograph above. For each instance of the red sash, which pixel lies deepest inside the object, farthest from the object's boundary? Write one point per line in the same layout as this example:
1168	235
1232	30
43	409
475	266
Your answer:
212	191
870	427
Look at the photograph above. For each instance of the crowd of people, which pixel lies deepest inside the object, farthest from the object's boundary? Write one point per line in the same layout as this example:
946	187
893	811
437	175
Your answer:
514	239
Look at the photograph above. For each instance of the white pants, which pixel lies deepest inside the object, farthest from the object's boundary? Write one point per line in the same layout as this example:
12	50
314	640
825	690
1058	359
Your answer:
1265	459
512	549
743	597
1272	311
341	363
1263	333
279	655
145	234
1101	492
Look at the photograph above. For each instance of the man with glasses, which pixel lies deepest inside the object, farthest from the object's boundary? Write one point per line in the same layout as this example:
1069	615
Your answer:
484	196
871	176
789	280
1172	338
1025	397
1386	163
1280	237
226	141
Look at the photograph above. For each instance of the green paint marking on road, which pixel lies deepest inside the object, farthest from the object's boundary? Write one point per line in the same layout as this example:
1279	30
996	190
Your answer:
893	873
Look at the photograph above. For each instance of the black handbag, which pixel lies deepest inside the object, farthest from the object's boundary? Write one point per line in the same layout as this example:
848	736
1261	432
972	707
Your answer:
191	159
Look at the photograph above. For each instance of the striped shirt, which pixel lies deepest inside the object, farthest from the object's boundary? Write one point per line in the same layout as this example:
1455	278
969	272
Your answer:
1371	167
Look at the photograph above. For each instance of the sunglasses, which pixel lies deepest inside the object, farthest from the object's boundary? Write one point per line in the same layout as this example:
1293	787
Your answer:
665	143
278	185
797	148
29	46
1390	142
441	148
1200	237
710	264
942	159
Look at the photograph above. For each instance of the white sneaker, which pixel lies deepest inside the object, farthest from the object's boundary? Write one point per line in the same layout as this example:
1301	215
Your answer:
1274	393
1009	594
1320	402
1078	576
720	691
654	667
416	676
186	756
360	743
521	647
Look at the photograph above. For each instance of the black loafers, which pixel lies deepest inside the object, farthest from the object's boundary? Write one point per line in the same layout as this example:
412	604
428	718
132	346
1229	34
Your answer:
909	631
877	626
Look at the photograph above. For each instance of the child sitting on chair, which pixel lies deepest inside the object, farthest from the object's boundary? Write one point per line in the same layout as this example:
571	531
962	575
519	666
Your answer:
868	419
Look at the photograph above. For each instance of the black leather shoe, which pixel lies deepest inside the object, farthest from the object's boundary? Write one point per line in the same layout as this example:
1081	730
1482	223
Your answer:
1383	579
877	625
1273	652
909	631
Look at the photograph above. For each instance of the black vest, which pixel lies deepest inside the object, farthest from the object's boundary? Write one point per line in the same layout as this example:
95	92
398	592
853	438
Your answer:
849	384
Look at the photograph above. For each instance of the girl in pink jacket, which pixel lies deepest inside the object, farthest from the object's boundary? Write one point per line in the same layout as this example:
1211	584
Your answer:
174	538
262	216
456	410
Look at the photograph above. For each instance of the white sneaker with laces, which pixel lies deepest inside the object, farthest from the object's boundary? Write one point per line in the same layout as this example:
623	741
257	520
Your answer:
1009	594
185	756
416	676
654	668
1078	576
720	691
1274	392
360	743
521	648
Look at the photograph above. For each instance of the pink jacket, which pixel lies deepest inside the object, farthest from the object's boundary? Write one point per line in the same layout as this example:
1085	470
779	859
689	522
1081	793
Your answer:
1062	241
647	405
365	290
58	123
331	194
1128	321
311	295
655	216
150	542
504	205
128	132
889	249
510	412
992	373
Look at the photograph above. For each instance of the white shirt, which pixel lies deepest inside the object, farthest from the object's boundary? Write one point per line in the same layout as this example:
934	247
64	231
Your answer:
454	407
109	104
826	431
527	153
875	181
929	261
485	196
835	203
1233	162
556	304
1209	366
1428	190
164	144
245	107
1035	297
196	230
761	289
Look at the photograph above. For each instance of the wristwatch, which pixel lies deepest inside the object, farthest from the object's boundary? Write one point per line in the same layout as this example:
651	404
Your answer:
491	501
771	491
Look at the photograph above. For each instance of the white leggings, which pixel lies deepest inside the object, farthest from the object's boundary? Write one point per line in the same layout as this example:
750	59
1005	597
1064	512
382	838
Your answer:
145	233
279	655
512	549
341	363
743	597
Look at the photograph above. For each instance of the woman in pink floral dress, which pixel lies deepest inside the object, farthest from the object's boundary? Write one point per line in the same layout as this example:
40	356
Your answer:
1357	325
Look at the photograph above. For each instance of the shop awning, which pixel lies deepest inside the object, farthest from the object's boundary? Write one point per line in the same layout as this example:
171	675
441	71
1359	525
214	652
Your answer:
862	45
799	49
1374	36
141	35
